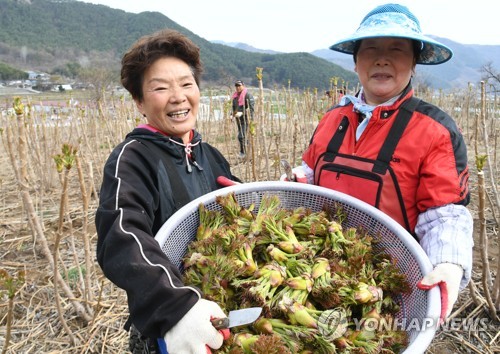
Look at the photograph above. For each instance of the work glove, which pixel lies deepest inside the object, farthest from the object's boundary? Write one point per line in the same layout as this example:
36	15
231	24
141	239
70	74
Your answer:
226	182
298	174
448	276
239	114
194	333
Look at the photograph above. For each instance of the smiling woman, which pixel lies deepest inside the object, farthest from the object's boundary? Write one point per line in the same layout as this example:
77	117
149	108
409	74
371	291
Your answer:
171	97
370	146
159	167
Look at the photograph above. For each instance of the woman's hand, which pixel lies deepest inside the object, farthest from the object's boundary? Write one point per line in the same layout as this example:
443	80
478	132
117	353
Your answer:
194	332
448	276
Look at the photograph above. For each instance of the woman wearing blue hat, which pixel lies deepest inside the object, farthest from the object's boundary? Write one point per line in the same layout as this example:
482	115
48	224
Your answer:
394	151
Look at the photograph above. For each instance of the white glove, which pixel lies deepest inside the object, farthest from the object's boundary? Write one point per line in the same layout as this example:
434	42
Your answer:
195	331
298	173
448	276
239	114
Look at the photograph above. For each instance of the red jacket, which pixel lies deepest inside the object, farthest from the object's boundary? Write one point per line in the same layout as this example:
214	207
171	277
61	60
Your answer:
429	162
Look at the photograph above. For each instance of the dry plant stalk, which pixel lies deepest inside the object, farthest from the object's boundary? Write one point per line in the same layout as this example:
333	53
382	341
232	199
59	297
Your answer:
23	179
495	199
483	241
9	145
34	220
480	160
493	298
65	172
260	122
88	262
12	285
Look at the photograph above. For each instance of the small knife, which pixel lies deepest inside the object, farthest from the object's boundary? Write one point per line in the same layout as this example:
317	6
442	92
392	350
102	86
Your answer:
237	318
288	170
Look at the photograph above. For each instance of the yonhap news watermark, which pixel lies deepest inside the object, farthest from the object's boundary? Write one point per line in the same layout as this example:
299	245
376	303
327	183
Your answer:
333	324
423	324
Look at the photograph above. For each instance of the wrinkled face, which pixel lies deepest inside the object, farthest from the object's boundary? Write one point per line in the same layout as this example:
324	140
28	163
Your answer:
384	67
171	97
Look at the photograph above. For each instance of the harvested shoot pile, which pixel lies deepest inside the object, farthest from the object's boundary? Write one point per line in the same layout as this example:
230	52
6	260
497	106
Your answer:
319	285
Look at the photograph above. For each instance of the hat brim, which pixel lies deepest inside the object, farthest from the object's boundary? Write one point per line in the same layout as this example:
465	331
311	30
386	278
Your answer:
396	25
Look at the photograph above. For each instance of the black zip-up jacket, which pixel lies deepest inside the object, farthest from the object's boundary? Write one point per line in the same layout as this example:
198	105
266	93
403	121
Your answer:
136	198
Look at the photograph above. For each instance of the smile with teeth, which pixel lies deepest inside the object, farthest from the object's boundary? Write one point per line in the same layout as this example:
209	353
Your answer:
381	75
179	114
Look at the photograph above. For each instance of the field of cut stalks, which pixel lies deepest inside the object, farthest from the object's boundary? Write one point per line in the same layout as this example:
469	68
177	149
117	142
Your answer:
53	296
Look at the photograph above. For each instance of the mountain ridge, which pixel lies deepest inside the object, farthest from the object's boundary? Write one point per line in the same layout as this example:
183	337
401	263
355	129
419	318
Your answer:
56	34
50	35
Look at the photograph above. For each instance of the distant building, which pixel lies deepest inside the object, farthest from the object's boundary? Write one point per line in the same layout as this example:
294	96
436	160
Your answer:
64	87
32	75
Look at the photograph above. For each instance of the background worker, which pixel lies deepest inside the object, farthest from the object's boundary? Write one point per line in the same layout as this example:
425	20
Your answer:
243	110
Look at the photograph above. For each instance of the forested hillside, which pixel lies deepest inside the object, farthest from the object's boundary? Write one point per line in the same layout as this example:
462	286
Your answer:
56	34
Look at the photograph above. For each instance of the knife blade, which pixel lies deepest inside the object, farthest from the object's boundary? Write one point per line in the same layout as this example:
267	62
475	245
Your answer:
237	318
288	170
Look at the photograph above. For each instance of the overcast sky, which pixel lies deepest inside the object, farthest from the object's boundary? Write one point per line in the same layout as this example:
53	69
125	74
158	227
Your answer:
307	25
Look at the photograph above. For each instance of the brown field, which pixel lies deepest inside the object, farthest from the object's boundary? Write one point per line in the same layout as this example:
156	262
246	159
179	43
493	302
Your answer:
47	217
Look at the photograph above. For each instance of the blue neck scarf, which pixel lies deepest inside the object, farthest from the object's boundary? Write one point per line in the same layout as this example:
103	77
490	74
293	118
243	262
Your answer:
360	106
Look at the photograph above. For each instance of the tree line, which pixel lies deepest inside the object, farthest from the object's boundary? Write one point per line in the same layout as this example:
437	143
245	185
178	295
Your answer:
51	35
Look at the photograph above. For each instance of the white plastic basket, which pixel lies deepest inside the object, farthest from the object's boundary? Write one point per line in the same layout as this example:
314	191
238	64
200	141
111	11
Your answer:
419	309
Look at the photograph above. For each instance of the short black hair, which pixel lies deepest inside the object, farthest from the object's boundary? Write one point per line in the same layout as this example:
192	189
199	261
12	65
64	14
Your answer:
147	49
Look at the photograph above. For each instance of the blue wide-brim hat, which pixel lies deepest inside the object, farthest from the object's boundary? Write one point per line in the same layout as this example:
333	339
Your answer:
394	20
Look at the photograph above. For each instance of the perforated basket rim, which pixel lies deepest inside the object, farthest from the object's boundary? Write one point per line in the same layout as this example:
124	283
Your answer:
424	337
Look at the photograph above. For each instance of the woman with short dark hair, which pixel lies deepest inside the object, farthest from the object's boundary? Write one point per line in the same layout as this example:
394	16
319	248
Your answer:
160	166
